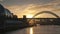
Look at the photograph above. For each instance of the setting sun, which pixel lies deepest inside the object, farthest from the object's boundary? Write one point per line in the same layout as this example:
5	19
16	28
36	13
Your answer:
29	16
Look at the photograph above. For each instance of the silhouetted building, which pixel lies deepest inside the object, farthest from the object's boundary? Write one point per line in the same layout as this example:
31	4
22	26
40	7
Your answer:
25	19
8	13
2	18
15	17
1	10
24	16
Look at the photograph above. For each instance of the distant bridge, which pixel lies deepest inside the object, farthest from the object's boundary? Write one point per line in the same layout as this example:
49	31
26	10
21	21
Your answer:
46	19
49	12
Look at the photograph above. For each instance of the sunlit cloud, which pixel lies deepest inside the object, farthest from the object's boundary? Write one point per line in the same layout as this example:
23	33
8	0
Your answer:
31	9
23	7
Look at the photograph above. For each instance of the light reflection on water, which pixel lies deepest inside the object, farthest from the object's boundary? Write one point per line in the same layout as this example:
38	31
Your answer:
31	30
42	29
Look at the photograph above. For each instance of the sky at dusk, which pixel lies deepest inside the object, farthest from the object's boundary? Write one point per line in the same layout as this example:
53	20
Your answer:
31	7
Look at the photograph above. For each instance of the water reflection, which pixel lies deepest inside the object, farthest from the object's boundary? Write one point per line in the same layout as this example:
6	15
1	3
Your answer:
42	29
31	30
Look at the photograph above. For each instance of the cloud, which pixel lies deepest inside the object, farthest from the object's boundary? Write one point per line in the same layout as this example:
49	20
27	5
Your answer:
21	7
24	2
1	0
32	9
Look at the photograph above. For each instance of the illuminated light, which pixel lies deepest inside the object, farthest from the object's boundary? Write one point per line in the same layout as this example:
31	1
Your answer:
31	30
29	16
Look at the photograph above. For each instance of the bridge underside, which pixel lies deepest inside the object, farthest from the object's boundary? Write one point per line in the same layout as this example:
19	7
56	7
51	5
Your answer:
45	21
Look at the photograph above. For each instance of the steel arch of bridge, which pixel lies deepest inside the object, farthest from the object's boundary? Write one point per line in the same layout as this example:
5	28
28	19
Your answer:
49	12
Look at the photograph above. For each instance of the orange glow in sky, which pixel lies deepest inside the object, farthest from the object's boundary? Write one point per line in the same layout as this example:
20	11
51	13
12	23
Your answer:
29	15
31	7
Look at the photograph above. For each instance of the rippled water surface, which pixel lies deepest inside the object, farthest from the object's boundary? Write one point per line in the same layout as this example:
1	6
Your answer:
39	29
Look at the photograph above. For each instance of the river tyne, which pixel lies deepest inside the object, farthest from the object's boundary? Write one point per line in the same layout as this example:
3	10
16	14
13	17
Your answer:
39	29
